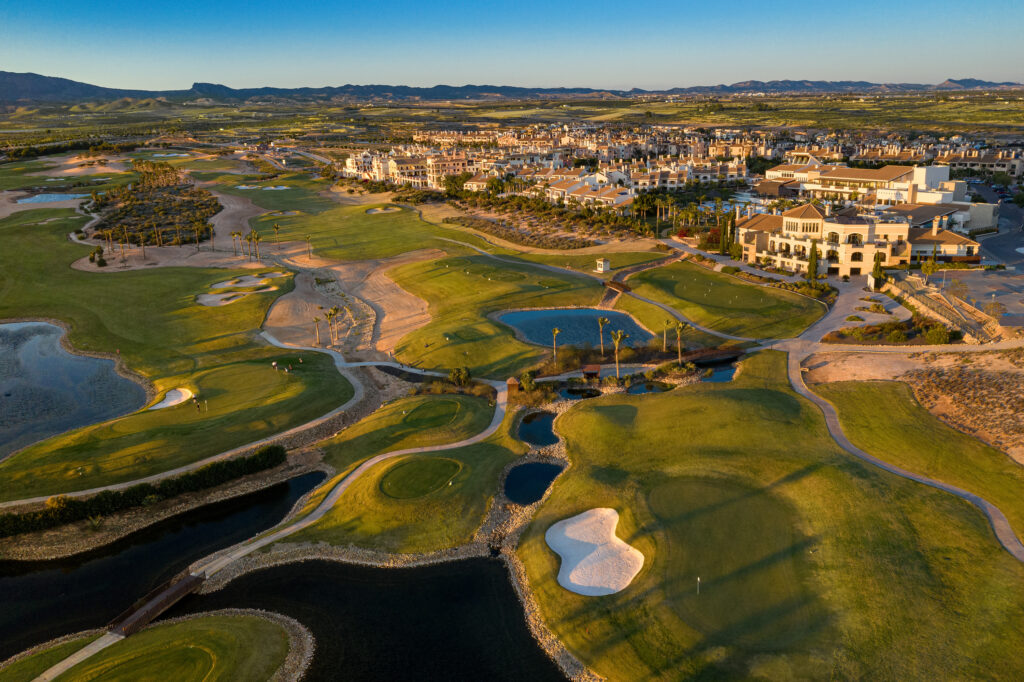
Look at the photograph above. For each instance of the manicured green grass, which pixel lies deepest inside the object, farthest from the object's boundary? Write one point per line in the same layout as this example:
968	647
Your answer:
437	517
725	304
813	564
656	319
15	175
411	422
302	194
152	319
28	669
884	419
202	649
416	477
461	292
587	263
350	233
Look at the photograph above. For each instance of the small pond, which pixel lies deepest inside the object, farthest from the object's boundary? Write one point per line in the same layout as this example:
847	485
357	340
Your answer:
579	326
527	483
48	198
45	599
536	429
45	390
649	387
454	621
578	393
720	373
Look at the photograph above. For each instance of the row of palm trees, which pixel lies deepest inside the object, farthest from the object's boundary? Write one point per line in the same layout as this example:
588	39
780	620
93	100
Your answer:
619	335
333	317
250	243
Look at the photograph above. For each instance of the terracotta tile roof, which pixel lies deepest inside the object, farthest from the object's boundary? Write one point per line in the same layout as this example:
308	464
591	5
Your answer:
806	211
923	235
765	222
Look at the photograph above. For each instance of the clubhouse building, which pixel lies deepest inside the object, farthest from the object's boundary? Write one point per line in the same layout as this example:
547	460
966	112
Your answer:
847	242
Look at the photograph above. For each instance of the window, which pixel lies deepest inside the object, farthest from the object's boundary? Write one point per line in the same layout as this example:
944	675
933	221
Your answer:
857	257
854	239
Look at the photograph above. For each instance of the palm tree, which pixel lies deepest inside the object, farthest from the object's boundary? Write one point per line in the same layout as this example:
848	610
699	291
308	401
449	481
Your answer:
680	327
235	235
256	238
316	326
277	234
329	314
617	336
664	336
601	322
554	342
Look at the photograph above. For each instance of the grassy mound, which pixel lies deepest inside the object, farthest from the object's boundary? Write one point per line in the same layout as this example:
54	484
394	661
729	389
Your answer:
725	304
31	667
812	563
415	477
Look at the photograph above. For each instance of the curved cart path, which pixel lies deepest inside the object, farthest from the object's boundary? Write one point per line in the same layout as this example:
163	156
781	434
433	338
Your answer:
1000	525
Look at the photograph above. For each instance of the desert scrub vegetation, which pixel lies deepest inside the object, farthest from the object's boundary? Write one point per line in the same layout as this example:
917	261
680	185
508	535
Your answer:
161	208
975	401
520	236
918	330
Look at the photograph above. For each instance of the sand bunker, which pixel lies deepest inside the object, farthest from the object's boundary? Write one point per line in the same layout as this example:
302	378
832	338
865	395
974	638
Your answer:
278	187
595	562
175	396
388	209
215	300
248	280
246	187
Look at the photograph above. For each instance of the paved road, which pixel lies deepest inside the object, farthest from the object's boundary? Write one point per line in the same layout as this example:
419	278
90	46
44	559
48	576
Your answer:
1003	246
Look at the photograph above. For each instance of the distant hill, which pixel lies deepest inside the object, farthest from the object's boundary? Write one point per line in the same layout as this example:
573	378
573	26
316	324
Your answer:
29	88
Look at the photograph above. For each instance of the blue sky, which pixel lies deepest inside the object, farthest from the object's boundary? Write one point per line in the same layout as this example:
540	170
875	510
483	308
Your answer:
162	45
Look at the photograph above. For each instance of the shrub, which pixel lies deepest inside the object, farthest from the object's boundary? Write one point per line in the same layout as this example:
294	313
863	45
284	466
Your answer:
936	335
897	336
730	269
854	318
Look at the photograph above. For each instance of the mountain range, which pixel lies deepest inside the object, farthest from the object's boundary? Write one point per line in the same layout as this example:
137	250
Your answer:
31	88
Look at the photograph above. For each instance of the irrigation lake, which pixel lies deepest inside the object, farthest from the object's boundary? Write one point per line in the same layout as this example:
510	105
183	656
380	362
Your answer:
45	390
579	326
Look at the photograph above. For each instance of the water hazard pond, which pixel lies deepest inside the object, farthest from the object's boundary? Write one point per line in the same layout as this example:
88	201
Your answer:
45	390
45	599
578	326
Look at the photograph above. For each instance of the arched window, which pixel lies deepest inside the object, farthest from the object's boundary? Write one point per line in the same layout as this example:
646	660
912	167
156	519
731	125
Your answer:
832	255
857	257
854	239
833	238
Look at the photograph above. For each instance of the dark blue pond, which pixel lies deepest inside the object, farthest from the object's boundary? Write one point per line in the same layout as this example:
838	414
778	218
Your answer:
579	326
45	390
45	599
536	429
649	387
526	483
578	393
720	374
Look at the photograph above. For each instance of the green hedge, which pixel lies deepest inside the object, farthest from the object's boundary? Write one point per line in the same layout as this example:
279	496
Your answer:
62	509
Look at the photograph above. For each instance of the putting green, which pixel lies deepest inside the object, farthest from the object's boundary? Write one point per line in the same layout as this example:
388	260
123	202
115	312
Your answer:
418	476
813	564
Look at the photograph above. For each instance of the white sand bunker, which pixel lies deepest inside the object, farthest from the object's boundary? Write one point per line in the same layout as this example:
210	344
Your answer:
175	396
595	562
248	280
246	187
214	300
278	187
387	209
